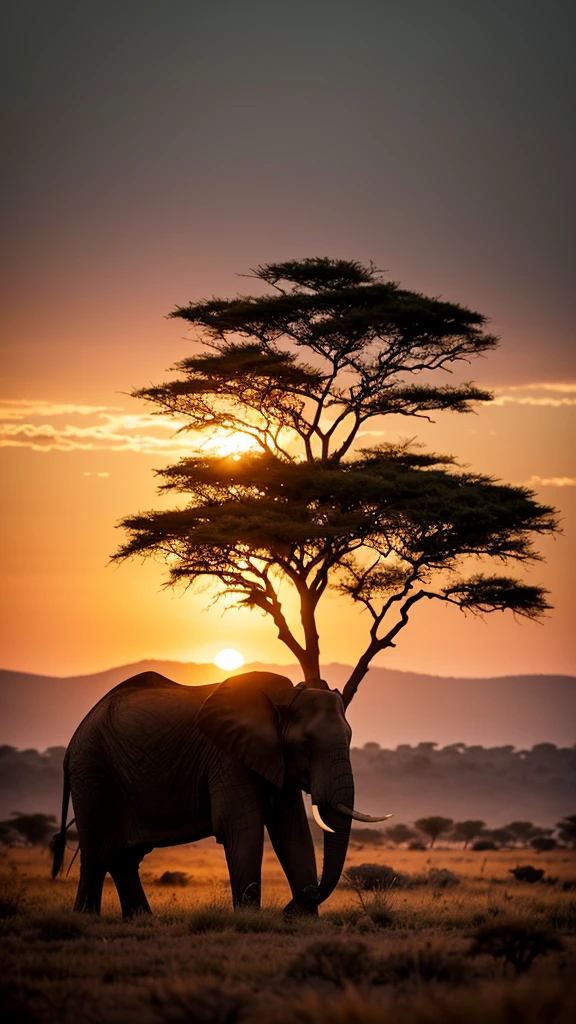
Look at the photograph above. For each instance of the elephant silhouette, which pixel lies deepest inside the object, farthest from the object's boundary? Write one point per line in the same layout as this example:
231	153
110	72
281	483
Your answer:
155	763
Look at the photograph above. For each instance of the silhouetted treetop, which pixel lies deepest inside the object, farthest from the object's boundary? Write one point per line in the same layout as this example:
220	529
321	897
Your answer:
386	526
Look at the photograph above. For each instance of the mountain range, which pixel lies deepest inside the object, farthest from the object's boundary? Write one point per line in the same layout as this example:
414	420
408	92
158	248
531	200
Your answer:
390	708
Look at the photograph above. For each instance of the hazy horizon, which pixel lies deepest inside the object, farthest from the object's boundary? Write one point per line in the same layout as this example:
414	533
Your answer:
272	665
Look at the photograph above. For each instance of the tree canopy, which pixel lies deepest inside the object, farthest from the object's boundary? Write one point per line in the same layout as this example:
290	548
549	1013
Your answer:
286	383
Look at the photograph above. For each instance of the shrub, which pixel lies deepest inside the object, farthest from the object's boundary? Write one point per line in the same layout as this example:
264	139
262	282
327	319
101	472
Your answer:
371	877
175	878
427	964
335	961
516	941
527	873
442	878
484	845
416	844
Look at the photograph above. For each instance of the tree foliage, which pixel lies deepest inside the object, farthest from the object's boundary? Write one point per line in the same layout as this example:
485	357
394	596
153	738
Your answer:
400	833
567	829
434	826
295	375
37	829
465	831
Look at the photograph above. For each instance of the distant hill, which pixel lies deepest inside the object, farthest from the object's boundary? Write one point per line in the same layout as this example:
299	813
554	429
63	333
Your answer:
390	708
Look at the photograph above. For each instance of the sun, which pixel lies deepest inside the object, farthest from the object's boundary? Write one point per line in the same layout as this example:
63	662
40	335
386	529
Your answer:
224	442
229	659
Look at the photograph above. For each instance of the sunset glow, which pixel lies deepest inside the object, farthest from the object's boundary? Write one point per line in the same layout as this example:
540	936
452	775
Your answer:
224	442
147	214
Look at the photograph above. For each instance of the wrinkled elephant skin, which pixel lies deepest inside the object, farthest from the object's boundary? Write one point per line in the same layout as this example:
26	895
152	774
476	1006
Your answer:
155	763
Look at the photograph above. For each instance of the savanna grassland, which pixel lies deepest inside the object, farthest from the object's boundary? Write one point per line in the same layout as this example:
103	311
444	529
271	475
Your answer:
456	939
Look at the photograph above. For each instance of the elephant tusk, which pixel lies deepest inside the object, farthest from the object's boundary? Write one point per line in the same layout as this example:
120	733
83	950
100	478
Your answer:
357	816
318	819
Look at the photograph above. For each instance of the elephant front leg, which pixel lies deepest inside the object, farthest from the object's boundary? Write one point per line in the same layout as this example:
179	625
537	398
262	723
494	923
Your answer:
244	849
290	836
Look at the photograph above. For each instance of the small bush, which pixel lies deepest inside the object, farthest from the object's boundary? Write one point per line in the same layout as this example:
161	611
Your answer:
175	878
426	964
527	873
442	878
335	961
416	844
484	845
516	941
371	877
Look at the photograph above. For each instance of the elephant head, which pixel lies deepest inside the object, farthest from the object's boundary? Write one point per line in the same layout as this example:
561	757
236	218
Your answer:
294	735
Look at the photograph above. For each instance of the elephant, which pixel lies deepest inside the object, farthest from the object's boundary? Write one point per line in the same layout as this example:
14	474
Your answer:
156	763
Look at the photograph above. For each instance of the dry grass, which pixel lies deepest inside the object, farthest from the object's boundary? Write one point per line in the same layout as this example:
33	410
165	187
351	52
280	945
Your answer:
371	957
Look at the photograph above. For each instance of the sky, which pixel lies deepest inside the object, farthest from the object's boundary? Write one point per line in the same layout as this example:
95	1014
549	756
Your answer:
156	151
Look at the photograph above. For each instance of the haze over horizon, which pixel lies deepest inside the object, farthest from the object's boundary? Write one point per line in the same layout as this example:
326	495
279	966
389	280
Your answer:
390	708
158	151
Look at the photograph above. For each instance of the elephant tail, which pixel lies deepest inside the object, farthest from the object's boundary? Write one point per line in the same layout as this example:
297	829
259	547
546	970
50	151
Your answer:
59	840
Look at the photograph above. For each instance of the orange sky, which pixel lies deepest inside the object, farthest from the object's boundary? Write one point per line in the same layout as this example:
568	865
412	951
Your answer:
148	165
71	476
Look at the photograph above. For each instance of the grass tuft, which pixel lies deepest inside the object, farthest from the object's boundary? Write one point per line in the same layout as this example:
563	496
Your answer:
12	897
60	926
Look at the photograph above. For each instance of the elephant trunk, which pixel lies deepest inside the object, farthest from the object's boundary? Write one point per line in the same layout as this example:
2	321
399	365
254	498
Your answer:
331	785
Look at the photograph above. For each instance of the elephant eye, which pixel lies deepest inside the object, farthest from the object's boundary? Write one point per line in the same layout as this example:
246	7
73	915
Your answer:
306	748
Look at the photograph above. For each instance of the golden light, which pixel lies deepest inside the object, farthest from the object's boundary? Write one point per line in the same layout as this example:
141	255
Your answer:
223	443
229	659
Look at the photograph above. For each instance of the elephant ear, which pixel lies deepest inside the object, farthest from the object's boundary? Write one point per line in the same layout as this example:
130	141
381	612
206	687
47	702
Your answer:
240	718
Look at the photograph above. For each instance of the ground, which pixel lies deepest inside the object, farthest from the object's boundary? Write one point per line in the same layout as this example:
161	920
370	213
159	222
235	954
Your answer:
401	955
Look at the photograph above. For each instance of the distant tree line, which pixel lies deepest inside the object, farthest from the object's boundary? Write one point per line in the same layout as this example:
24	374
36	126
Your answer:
545	760
476	832
26	772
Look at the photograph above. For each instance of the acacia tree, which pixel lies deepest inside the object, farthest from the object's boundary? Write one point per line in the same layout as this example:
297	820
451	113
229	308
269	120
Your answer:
467	830
434	826
300	371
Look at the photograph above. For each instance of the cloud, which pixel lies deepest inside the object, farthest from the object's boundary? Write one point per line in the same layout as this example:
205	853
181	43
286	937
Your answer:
26	423
548	386
551	481
549	393
105	437
22	408
112	429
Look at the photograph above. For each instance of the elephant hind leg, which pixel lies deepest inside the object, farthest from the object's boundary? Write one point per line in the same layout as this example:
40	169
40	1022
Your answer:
89	895
124	870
